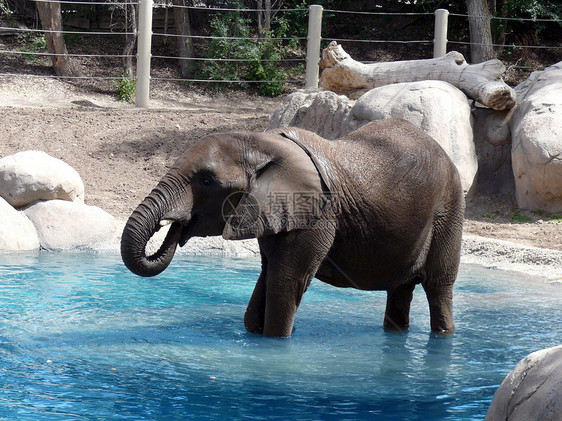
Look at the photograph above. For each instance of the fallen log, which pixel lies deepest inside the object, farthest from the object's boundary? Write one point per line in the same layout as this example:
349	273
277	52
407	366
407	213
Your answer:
481	82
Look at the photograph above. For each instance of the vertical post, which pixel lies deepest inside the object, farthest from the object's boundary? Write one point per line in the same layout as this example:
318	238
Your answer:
313	45
143	53
440	36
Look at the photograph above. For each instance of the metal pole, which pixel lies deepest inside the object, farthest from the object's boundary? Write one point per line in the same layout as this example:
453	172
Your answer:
313	45
143	53
440	38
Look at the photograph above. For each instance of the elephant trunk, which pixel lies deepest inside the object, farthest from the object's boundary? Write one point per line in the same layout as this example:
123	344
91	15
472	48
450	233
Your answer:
143	223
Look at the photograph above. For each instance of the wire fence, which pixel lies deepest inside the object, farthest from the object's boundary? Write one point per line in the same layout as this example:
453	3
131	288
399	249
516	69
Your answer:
20	51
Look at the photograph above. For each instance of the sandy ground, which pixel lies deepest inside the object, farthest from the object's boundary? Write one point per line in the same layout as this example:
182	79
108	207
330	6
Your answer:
122	151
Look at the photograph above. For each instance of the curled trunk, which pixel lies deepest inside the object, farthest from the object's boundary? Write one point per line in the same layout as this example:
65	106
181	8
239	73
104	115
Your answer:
143	223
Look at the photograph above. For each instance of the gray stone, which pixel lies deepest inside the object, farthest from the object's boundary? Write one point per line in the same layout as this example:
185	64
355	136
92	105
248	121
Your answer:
437	107
532	391
536	128
26	177
322	112
493	148
17	232
64	225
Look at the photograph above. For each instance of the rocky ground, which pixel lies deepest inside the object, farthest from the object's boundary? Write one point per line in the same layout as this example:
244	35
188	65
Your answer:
121	152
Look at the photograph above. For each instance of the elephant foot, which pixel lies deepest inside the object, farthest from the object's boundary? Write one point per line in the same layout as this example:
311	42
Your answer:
252	323
391	325
443	332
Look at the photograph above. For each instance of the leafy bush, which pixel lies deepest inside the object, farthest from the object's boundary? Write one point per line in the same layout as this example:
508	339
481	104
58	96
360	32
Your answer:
33	44
259	54
125	89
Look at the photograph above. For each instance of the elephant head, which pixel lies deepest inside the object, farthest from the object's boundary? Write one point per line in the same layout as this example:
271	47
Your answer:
238	185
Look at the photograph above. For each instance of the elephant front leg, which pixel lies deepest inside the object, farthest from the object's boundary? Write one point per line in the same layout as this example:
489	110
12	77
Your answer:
293	259
397	314
255	312
283	296
276	297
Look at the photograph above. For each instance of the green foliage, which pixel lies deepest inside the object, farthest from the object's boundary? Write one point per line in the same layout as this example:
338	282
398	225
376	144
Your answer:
5	10
260	55
528	9
74	40
125	89
33	43
533	9
518	217
543	214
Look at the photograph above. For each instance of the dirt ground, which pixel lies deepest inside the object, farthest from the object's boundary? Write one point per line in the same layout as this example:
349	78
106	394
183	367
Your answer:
122	151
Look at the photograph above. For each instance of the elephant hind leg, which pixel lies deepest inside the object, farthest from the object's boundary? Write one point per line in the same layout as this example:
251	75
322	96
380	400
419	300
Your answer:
441	270
397	314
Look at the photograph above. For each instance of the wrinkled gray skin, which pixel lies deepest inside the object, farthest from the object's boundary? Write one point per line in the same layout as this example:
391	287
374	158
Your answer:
379	209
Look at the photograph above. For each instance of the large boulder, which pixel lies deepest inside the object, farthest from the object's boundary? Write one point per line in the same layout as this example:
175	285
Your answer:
64	225
17	232
532	391
436	107
536	128
26	177
322	112
492	139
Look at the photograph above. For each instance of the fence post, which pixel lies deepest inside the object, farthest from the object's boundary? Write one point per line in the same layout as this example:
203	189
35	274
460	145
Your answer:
143	53
313	45
440	35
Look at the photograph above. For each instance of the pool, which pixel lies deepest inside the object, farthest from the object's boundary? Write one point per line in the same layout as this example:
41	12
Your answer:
81	337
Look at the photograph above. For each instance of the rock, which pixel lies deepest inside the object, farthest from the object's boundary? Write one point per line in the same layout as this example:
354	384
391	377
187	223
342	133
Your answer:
218	246
26	177
17	232
63	225
322	112
532	391
493	148
536	152
438	108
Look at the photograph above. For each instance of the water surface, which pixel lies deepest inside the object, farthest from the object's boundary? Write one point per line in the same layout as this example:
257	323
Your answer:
81	337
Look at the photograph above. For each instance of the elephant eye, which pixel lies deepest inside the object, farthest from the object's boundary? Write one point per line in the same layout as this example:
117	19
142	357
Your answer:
206	179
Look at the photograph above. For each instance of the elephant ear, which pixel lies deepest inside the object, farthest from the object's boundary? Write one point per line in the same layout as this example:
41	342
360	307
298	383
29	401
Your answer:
288	189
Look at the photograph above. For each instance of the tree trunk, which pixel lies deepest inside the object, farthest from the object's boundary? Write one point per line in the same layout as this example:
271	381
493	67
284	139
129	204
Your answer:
51	20
259	7
482	82
185	43
130	40
481	48
267	17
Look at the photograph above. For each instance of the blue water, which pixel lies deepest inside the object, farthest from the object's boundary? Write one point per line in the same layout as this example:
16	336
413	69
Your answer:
81	337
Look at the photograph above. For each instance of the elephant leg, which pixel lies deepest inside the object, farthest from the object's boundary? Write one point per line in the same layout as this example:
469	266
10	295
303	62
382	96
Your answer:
255	312
293	259
441	270
397	314
440	309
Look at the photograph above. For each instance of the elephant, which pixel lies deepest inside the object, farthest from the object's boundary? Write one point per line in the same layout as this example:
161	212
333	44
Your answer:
381	208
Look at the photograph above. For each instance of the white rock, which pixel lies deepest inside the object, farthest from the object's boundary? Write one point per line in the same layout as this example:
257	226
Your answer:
532	391
536	128
17	232
64	225
26	177
321	112
436	107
